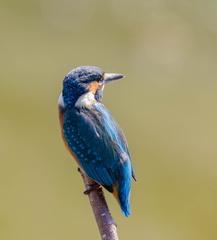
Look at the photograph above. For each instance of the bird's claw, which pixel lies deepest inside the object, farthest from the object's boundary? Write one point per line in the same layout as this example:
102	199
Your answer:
91	188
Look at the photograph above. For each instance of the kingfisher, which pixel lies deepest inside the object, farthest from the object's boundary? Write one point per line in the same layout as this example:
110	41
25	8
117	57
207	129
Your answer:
92	135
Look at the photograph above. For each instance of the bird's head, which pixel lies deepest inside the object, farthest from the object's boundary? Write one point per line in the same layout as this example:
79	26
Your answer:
84	82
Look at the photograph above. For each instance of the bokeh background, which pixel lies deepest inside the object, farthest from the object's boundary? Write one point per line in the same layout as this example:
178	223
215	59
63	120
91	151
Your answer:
166	106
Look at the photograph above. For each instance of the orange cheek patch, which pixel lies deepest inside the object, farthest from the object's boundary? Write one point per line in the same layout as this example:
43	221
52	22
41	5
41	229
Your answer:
93	87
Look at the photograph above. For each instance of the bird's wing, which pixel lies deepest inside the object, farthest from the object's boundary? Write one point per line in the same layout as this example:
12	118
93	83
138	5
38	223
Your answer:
98	143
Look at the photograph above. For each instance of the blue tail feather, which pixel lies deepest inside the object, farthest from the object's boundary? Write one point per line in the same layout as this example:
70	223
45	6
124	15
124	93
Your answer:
124	186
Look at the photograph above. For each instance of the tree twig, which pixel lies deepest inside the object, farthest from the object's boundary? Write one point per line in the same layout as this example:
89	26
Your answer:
106	224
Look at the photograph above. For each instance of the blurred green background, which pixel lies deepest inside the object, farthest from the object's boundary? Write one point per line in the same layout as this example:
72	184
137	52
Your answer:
166	106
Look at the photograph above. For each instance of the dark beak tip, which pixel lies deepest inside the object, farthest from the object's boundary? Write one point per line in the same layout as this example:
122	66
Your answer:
118	76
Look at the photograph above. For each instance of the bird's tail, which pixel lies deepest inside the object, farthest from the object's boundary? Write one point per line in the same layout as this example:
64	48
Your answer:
122	190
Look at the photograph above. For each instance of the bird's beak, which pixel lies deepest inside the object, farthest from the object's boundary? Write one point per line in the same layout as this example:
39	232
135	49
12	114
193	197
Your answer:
110	77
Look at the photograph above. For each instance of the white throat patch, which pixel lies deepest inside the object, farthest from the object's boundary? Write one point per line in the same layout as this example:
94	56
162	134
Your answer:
60	101
86	100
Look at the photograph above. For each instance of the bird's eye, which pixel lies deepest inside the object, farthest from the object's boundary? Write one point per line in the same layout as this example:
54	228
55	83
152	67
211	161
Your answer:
101	78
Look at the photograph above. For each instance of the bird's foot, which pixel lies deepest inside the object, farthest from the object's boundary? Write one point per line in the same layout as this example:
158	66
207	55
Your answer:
91	188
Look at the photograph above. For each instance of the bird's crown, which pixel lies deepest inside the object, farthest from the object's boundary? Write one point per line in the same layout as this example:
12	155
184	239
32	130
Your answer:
84	74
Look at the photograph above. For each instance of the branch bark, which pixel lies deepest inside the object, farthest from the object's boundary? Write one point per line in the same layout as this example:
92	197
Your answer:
106	224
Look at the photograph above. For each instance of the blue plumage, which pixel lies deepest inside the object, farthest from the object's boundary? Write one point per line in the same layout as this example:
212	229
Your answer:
92	134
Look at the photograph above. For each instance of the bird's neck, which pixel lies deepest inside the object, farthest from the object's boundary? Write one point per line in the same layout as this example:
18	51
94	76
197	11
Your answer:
77	96
71	93
86	100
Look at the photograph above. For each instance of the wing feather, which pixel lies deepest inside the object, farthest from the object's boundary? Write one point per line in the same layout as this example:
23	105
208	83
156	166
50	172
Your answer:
98	143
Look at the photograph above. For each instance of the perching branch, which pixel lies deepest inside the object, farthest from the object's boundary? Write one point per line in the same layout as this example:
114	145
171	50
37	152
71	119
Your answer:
106	224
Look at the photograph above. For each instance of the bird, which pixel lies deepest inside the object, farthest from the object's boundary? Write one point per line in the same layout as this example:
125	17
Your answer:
92	135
